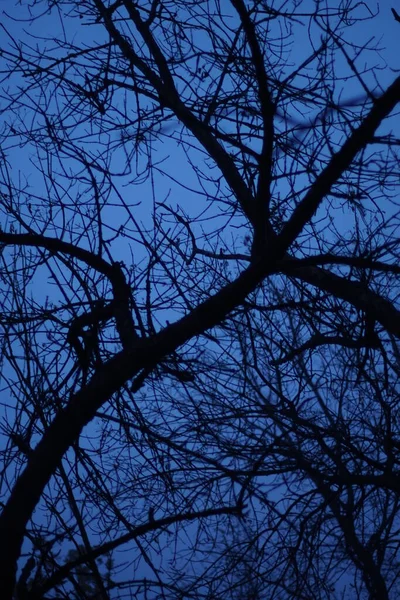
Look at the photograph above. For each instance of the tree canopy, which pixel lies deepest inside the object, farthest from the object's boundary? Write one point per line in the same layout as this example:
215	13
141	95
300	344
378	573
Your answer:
200	323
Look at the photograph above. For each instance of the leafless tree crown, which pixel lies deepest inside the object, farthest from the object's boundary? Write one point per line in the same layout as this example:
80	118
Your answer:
200	323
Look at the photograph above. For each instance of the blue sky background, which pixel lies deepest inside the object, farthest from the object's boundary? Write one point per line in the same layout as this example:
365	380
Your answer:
174	181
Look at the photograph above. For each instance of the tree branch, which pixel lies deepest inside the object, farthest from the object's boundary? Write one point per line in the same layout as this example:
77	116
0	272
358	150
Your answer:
338	164
69	422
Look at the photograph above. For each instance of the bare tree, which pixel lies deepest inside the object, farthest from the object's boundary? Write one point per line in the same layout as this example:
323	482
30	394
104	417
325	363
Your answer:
199	286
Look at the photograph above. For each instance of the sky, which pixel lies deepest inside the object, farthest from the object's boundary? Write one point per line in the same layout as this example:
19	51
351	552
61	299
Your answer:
171	157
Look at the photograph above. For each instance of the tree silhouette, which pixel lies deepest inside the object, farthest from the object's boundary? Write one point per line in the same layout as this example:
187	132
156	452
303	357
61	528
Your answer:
199	286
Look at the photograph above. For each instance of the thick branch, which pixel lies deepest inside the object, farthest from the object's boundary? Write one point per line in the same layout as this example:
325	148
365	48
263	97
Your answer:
377	307
81	409
267	110
338	164
169	98
359	262
55	246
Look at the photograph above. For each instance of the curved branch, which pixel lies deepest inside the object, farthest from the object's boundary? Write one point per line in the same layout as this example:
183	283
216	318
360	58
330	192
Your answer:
56	246
377	307
120	307
136	532
322	340
69	422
